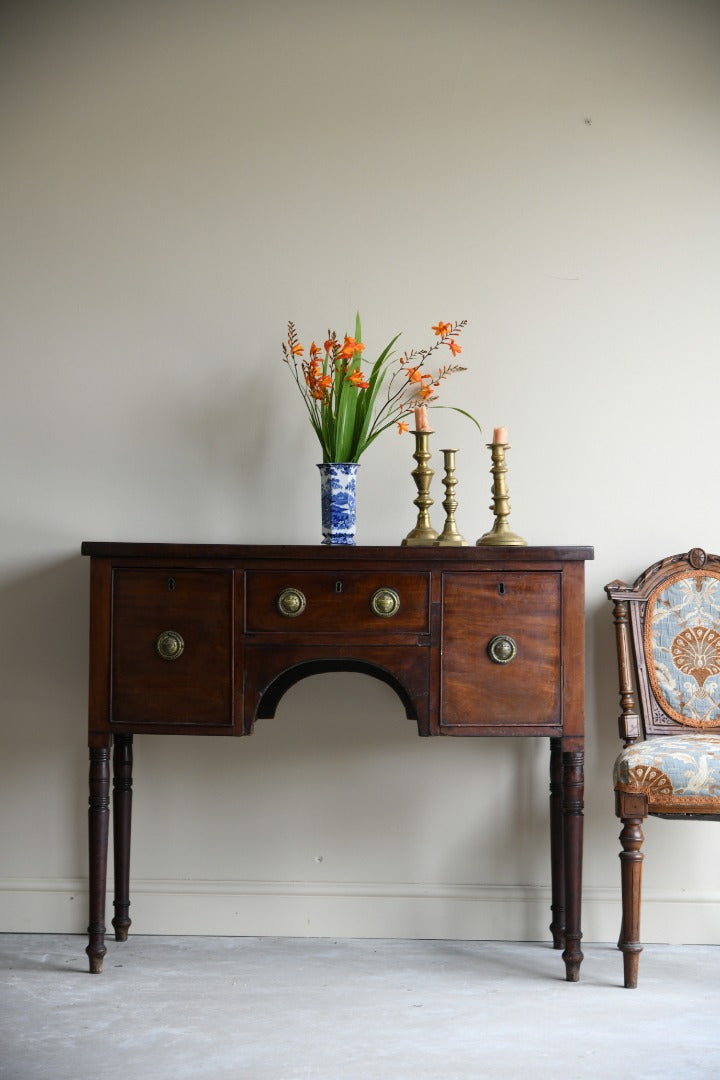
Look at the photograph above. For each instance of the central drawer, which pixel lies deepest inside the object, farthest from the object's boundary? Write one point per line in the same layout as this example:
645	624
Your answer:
319	601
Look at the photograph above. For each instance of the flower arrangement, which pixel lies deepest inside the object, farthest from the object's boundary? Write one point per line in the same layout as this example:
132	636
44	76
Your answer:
344	402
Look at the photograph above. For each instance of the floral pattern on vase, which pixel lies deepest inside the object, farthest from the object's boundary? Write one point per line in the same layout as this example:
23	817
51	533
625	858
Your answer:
337	499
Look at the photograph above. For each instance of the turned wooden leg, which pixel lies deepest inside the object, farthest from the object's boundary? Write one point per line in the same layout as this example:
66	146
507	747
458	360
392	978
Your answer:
557	851
631	860
98	815
122	817
573	791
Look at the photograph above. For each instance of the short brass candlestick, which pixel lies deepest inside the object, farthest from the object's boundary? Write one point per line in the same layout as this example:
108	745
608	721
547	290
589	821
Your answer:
450	537
423	533
500	535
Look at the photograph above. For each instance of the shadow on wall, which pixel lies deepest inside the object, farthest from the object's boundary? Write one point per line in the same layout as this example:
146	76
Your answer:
44	648
339	787
603	701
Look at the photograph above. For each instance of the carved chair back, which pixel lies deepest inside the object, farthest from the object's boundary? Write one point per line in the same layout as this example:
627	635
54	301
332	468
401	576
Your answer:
668	637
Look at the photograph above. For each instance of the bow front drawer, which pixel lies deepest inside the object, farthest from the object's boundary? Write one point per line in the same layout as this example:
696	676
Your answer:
315	601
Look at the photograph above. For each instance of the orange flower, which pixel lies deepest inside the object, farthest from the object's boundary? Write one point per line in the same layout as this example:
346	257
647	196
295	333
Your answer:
312	369
402	426
454	347
356	378
426	392
314	351
442	328
416	376
328	345
350	346
297	350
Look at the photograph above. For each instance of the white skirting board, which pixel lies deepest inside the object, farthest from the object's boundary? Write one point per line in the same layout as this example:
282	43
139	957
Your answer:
360	910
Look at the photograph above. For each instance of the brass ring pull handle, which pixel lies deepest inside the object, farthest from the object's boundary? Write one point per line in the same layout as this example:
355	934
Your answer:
502	649
291	603
385	602
170	645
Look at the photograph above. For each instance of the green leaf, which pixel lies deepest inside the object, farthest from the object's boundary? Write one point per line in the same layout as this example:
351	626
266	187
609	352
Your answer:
366	413
345	425
456	409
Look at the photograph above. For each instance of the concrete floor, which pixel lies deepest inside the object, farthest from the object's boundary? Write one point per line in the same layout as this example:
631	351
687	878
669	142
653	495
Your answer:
170	1008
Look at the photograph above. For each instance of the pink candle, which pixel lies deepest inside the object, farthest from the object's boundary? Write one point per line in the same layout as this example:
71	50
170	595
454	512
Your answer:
500	435
421	420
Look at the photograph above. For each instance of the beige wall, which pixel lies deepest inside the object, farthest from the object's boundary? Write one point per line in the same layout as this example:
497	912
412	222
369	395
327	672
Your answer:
180	179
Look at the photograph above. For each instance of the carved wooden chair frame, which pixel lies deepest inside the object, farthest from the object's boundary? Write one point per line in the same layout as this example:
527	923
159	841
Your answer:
654	718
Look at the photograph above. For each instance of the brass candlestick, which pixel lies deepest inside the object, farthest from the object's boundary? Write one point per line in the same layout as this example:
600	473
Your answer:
500	535
423	533
450	537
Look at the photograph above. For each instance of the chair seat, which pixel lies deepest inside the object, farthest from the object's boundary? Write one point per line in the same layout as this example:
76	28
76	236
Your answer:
678	773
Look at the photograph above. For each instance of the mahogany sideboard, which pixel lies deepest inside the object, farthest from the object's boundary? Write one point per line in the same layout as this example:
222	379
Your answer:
205	639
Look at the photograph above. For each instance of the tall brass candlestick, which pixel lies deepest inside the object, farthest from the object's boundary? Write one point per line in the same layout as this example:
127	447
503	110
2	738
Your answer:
423	533
450	537
500	535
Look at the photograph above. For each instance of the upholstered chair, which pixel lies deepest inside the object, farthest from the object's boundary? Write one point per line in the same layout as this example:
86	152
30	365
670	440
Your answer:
668	645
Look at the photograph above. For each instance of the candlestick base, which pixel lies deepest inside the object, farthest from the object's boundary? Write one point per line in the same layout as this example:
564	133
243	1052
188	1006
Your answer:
501	536
416	538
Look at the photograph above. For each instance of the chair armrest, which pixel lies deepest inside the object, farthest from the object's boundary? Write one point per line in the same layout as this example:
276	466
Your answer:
629	719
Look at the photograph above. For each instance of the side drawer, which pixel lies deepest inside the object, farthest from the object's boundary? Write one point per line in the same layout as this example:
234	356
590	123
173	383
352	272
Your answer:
509	692
342	601
172	647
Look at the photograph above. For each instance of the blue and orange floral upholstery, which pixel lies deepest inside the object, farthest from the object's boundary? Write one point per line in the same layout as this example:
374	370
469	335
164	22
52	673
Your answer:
681	638
682	646
678	774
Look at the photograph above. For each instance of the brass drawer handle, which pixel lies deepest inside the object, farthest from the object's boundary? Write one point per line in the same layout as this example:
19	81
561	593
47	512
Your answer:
502	649
291	603
170	645
385	602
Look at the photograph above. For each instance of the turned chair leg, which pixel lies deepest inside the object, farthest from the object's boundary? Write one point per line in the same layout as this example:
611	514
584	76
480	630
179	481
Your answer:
631	860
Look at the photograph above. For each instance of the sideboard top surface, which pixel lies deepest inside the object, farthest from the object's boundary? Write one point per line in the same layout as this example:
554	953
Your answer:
338	553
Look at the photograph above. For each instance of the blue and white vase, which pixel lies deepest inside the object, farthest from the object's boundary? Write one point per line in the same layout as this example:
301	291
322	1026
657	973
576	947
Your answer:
337	500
